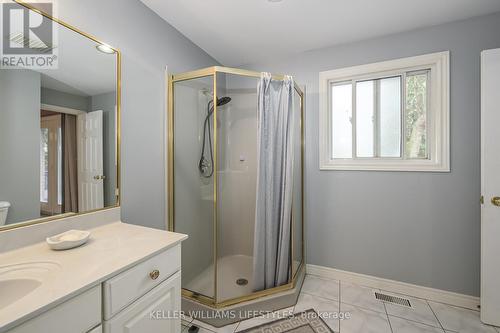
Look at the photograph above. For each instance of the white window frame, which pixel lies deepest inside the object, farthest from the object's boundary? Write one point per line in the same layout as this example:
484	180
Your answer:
438	114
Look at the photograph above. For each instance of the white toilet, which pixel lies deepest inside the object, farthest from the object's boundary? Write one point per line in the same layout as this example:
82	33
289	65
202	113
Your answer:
4	210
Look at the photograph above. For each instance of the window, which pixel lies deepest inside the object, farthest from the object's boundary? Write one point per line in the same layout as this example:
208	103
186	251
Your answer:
392	115
51	172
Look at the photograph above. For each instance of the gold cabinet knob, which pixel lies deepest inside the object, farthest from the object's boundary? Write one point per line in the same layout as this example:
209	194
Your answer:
154	274
495	201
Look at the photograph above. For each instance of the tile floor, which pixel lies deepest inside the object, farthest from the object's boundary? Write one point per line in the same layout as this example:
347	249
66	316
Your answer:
367	315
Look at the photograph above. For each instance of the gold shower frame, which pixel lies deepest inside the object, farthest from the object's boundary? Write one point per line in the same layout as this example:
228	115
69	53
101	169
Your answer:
212	72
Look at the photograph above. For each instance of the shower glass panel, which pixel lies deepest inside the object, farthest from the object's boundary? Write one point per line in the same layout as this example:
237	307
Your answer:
193	194
237	179
212	192
297	225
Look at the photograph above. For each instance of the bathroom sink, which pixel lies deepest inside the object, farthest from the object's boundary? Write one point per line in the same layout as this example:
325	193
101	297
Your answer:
20	279
12	290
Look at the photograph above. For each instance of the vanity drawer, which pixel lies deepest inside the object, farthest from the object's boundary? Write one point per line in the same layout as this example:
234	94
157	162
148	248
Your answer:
77	315
128	286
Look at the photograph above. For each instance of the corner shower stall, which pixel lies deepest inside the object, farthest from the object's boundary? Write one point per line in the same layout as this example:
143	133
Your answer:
214	142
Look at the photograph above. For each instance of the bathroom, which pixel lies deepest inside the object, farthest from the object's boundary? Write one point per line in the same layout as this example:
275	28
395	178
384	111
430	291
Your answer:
391	191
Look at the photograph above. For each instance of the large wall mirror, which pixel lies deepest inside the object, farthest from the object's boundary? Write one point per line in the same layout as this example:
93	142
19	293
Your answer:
59	124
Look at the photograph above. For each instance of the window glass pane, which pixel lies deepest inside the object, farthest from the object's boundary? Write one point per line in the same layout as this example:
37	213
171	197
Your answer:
341	121
44	165
416	116
364	118
390	117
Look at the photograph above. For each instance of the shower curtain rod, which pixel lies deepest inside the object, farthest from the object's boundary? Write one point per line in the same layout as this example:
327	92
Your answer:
227	70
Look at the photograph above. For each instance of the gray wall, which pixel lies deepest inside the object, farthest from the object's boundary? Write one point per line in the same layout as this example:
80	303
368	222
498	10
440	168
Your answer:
59	98
107	103
20	143
147	44
421	228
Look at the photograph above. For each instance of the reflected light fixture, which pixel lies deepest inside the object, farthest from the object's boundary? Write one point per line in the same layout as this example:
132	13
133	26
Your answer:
105	48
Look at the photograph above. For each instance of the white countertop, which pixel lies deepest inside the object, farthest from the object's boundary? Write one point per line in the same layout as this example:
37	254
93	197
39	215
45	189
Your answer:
112	248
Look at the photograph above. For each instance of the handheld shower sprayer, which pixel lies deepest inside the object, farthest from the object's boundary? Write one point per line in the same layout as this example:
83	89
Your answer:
206	166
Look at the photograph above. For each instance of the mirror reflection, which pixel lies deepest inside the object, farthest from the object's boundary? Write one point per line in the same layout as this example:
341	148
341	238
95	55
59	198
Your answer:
58	146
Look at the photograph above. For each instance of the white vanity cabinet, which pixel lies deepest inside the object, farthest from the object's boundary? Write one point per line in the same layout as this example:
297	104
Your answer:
79	314
153	312
144	298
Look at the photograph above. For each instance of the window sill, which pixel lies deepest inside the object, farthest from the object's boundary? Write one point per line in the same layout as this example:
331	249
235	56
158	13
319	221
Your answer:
385	165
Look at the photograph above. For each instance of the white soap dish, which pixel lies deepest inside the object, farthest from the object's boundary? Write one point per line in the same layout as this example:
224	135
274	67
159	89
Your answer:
68	240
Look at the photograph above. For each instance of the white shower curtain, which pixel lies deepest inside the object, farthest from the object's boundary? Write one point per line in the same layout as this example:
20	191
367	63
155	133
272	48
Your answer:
273	212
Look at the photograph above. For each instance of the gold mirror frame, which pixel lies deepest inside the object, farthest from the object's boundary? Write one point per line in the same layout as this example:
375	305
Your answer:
118	125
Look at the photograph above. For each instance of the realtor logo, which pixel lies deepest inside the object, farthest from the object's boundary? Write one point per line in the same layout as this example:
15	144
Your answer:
27	37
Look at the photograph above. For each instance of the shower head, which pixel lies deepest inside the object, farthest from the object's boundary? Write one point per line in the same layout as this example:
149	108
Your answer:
223	101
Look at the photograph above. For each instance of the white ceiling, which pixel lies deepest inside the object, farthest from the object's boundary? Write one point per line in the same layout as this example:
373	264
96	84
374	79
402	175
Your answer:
237	32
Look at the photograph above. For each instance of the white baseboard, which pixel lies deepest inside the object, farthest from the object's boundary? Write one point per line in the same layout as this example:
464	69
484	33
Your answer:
442	296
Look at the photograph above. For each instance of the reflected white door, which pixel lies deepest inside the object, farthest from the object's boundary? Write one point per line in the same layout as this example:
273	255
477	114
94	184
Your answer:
490	187
90	161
